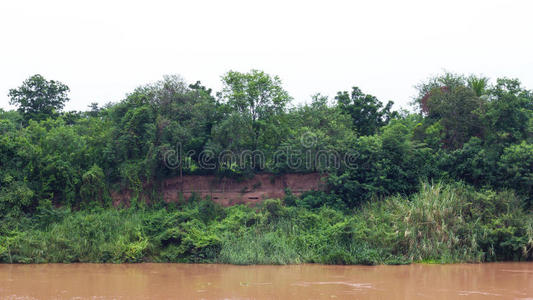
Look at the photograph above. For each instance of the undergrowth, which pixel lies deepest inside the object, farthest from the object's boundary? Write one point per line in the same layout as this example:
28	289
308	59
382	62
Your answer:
439	224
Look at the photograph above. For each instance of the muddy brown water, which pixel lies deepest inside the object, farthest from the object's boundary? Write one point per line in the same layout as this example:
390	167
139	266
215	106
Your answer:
193	281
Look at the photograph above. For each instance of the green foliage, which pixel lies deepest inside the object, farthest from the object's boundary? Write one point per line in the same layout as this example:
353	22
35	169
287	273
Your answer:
516	164
367	112
59	169
255	93
256	96
509	109
93	186
458	111
444	223
478	85
468	131
15	196
381	165
38	98
99	236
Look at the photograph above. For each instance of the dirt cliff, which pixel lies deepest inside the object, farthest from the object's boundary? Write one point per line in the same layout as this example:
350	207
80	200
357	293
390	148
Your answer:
228	191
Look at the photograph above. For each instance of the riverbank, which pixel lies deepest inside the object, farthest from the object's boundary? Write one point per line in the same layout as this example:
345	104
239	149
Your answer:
441	223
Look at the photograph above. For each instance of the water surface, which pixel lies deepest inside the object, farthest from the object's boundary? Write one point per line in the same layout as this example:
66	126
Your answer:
193	281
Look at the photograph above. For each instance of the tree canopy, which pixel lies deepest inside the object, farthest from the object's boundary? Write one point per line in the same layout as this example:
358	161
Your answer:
38	98
468	129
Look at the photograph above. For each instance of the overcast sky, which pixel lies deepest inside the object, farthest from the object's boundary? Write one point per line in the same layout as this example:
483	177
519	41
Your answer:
104	49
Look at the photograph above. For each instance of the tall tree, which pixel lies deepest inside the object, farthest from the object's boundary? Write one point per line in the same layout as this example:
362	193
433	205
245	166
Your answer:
38	98
509	109
454	102
256	94
368	113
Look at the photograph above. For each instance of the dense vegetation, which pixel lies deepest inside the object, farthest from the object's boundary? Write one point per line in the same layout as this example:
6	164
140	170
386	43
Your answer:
452	181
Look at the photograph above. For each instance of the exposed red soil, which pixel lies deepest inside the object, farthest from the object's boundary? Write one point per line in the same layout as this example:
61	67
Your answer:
228	191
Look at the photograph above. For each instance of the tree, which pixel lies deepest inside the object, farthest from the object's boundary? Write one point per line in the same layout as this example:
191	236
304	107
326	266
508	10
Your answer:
516	164
454	102
478	84
38	98
509	109
381	165
459	111
94	109
317	134
256	94
368	113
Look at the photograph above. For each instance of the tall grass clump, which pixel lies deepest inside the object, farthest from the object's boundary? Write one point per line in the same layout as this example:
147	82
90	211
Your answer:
104	236
452	223
268	244
269	236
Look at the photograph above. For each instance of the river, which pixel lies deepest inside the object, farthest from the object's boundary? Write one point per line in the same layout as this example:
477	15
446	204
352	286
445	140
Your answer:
196	281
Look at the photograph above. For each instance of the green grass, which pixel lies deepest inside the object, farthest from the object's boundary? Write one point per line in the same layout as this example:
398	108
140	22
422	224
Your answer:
440	224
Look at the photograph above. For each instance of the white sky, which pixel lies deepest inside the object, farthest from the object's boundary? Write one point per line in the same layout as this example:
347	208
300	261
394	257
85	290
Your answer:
104	49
